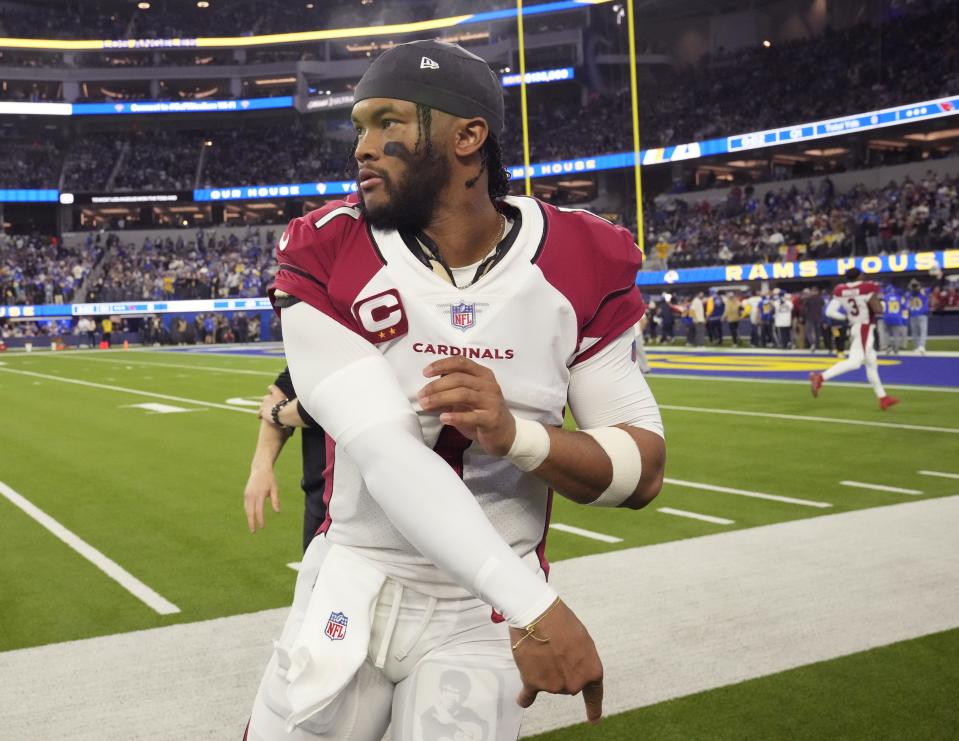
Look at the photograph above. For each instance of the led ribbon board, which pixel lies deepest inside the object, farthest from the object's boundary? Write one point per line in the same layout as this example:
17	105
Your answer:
297	37
180	106
560	74
803	269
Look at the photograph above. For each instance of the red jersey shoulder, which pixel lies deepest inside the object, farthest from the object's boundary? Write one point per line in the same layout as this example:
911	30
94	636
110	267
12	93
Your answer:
584	236
593	264
313	240
869	287
839	291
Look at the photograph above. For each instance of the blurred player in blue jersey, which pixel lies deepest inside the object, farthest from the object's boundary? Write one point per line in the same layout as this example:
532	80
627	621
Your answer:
917	301
895	317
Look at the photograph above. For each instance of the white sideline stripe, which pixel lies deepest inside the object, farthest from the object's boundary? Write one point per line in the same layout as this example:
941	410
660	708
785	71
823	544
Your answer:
585	533
123	390
805	418
800	592
239	401
745	493
109	567
940	474
182	366
796	382
156	408
881	487
695	516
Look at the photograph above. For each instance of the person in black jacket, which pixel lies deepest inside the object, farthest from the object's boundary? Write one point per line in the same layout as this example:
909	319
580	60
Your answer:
280	414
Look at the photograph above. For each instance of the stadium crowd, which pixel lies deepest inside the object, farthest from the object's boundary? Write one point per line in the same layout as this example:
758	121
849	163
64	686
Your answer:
813	223
207	266
41	270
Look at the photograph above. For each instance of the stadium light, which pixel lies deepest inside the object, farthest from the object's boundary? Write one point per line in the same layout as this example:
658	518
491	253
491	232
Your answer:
143	6
767	43
202	4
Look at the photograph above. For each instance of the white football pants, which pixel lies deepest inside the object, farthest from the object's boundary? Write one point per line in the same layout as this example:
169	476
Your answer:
861	352
435	669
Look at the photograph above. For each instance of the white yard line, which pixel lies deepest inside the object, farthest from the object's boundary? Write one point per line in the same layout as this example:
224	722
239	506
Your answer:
121	389
584	533
181	366
805	418
796	382
881	487
109	567
940	474
696	516
745	493
743	604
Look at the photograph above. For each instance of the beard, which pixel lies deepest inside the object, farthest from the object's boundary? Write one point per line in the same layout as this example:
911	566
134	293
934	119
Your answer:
413	198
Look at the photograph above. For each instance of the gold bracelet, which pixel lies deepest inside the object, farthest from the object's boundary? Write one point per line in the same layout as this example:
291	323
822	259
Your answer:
531	628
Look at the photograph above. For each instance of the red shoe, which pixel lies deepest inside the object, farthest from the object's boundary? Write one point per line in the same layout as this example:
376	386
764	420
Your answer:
887	401
816	380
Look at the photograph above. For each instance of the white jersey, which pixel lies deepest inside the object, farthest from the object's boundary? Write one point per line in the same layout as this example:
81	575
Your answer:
855	298
564	290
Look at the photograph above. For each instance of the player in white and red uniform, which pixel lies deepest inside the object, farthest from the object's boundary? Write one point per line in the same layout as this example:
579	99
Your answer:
439	353
860	303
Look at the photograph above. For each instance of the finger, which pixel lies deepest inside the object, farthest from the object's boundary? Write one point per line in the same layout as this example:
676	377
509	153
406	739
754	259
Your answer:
526	696
461	397
451	381
593	697
275	497
452	365
259	512
248	506
461	419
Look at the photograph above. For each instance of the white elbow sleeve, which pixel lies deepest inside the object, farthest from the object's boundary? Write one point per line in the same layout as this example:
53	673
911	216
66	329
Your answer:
627	462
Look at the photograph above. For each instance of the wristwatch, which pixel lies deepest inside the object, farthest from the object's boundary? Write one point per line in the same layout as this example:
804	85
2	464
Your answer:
275	415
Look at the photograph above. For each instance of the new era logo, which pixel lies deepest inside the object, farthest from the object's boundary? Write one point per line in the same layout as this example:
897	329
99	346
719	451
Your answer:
427	63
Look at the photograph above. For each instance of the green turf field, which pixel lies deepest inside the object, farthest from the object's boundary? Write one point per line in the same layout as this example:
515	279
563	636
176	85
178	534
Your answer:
161	495
934	344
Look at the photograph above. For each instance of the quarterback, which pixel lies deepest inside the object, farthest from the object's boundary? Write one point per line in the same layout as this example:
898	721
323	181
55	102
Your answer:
437	329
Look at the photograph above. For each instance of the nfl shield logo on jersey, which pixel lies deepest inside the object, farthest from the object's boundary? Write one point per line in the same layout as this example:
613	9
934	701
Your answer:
336	626
463	316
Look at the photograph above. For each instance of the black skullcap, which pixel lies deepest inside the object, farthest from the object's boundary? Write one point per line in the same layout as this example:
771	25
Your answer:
437	74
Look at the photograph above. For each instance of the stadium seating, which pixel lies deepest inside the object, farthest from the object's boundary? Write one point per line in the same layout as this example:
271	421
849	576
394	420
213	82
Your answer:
41	270
813	223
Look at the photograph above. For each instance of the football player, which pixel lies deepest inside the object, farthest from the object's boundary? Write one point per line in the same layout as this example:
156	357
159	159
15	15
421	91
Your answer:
437	329
859	303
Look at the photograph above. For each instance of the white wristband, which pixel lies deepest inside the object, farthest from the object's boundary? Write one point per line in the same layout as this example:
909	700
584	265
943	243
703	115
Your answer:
530	446
627	464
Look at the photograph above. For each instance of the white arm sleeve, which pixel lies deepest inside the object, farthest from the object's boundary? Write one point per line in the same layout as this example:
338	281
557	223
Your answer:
832	310
609	389
349	388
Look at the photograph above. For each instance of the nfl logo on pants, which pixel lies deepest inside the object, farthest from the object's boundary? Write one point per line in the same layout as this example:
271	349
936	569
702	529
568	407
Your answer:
462	316
336	626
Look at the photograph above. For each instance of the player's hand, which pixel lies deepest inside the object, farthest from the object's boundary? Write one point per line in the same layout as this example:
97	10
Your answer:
468	398
566	664
273	397
259	487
